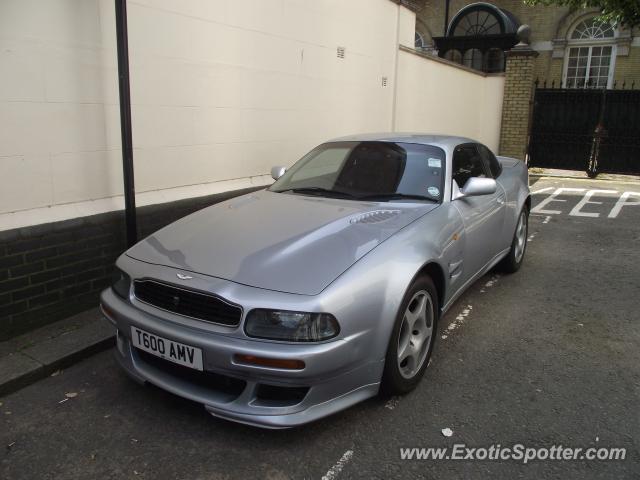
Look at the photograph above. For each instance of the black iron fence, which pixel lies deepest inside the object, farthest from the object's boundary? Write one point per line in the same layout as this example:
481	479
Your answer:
595	130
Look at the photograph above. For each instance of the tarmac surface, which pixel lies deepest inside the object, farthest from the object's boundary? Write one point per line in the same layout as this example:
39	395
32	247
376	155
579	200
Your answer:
547	356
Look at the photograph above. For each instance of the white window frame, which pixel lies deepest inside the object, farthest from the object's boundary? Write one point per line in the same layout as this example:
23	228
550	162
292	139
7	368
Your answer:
590	43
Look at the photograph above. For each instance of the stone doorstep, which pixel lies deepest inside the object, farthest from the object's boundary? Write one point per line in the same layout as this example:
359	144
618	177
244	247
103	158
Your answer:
37	354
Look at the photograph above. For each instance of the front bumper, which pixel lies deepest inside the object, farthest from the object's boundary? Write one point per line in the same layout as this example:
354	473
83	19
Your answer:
333	377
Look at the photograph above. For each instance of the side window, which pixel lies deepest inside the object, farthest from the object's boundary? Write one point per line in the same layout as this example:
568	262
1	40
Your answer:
490	161
467	163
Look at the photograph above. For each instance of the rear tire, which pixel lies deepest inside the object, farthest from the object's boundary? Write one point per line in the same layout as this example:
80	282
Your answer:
513	261
412	338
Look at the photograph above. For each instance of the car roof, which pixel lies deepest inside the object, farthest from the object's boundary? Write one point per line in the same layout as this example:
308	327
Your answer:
447	141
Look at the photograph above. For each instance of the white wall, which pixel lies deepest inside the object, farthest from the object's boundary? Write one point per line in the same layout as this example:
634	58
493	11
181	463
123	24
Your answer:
221	91
434	96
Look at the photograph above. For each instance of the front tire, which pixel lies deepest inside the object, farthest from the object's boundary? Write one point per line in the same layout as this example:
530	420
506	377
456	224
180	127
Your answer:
412	338
513	261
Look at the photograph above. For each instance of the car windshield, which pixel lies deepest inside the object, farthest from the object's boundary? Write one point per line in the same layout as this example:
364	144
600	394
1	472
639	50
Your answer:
376	171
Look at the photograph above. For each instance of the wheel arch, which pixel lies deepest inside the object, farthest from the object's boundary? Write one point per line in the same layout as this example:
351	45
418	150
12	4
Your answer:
436	273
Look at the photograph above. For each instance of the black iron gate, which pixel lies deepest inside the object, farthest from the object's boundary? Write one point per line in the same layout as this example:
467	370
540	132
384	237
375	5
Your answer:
593	130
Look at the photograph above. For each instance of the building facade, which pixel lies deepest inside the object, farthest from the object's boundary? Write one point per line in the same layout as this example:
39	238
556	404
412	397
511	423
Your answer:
575	49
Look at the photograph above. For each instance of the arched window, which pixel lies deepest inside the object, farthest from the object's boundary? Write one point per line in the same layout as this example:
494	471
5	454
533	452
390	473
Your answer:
473	58
590	55
592	29
482	33
454	55
419	42
478	22
481	19
494	60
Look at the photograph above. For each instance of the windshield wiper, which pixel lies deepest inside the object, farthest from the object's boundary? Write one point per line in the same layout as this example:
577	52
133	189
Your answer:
396	196
317	191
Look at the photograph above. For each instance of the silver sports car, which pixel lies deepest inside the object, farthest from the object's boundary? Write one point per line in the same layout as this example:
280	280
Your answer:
288	304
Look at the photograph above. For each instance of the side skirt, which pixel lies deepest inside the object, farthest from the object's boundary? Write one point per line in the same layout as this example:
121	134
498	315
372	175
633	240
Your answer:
492	263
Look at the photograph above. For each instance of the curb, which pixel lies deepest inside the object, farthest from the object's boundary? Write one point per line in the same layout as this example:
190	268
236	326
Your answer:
37	354
625	179
29	377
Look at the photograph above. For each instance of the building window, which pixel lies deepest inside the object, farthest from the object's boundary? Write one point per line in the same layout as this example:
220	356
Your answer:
495	61
592	29
481	33
478	22
472	58
419	42
454	55
590	55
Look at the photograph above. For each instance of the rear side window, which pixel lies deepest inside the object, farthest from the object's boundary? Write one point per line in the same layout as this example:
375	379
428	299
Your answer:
467	163
491	162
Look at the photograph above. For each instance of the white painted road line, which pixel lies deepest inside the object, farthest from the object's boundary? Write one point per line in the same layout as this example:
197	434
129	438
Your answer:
622	202
461	317
626	199
334	471
542	190
392	403
575	212
552	198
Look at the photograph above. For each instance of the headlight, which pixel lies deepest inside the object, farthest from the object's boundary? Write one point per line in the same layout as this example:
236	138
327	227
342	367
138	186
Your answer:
291	326
121	283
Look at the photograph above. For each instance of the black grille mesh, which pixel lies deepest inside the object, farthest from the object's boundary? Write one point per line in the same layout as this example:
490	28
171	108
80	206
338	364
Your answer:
187	302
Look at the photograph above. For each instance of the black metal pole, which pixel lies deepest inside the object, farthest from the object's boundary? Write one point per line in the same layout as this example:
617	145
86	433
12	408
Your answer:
446	16
125	122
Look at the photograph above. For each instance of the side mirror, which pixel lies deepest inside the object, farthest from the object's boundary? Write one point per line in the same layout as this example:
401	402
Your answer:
277	172
475	187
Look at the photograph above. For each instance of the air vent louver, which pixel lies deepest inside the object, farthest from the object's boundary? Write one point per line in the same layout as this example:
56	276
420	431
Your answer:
375	216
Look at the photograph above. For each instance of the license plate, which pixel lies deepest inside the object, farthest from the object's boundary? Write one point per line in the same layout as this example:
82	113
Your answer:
175	352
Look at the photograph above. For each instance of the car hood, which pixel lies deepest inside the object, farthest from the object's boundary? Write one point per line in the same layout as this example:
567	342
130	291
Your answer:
285	242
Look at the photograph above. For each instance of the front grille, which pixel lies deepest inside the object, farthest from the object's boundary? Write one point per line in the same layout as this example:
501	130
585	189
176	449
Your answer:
210	380
189	303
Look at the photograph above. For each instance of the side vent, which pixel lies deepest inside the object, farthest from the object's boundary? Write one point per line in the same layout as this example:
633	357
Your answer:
384	81
340	52
376	216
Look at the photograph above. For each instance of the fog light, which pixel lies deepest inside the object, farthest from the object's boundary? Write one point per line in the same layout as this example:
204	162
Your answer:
283	363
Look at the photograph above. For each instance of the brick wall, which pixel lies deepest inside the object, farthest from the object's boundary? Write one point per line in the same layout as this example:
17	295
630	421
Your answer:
548	69
627	68
48	272
518	90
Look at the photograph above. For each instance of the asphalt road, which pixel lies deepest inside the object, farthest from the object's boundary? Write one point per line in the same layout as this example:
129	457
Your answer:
547	356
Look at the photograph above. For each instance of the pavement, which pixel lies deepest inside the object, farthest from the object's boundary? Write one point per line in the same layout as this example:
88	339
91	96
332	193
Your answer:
34	355
543	357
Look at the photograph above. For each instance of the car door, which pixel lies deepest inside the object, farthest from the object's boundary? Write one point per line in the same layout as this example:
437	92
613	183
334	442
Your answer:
494	170
482	216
